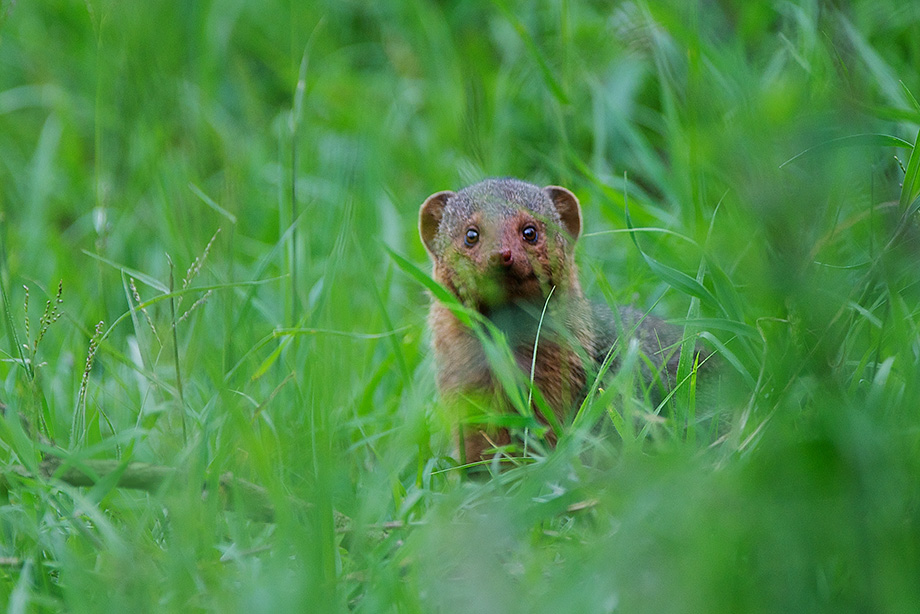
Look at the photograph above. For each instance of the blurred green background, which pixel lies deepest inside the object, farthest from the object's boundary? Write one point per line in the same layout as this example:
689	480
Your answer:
247	170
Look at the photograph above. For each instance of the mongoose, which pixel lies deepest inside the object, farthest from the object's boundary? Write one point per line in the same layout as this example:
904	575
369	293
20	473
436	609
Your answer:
501	247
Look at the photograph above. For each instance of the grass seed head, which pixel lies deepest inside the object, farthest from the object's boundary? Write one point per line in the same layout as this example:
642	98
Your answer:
80	413
198	262
25	308
137	299
51	315
196	305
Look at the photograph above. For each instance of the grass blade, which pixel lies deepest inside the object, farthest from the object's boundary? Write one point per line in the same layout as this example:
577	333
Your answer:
910	189
676	279
856	140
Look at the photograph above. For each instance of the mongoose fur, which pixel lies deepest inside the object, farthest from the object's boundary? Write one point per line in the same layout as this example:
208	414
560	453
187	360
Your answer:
500	247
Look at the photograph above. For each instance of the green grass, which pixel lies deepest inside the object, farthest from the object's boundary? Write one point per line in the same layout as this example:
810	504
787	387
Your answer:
299	454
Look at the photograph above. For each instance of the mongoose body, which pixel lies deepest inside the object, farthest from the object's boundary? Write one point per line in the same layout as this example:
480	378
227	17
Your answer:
503	247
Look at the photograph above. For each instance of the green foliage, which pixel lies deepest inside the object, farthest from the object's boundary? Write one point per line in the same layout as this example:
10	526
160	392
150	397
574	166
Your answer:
232	189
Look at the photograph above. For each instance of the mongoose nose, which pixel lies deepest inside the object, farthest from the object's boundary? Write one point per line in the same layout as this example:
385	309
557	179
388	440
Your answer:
505	257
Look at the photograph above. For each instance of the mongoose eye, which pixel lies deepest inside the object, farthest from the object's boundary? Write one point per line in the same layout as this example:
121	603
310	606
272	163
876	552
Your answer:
530	234
472	237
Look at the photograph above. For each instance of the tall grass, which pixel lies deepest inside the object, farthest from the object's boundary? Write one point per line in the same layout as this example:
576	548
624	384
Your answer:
231	189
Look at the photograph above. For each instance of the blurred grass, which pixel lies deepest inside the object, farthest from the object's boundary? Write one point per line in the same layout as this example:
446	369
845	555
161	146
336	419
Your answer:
131	133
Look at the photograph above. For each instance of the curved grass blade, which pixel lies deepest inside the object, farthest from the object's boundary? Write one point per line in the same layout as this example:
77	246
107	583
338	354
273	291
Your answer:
856	140
910	189
910	97
439	292
676	279
730	326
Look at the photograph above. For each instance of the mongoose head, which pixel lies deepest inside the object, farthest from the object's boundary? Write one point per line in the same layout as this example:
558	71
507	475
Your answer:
502	241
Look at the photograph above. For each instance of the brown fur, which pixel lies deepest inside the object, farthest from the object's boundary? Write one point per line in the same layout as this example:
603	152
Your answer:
507	278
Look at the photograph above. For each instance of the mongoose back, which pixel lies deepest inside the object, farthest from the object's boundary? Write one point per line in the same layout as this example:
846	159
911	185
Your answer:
501	247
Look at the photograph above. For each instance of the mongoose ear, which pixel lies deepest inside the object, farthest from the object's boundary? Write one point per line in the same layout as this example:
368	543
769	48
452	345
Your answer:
429	218
568	208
